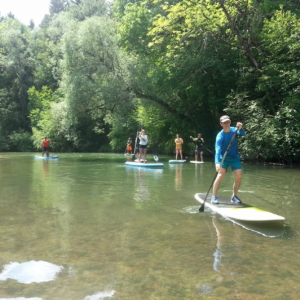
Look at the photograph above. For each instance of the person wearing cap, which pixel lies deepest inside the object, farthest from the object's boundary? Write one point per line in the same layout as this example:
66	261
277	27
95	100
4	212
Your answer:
232	159
199	141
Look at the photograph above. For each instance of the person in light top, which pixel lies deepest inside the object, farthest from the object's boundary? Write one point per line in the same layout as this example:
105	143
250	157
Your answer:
143	145
178	142
232	159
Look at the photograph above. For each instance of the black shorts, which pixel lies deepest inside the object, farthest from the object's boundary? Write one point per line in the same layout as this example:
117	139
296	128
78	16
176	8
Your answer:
143	146
198	151
45	149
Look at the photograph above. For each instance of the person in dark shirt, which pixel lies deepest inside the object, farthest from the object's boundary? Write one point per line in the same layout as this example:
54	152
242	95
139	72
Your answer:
199	141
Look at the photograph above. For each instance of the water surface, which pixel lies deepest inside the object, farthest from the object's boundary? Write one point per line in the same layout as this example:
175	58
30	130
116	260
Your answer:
87	227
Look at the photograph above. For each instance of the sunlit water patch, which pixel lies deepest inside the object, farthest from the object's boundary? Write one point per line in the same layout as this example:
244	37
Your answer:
21	298
100	296
31	271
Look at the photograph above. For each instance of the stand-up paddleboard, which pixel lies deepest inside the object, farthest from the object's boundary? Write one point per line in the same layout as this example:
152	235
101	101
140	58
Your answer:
174	161
196	162
46	157
238	212
140	161
143	165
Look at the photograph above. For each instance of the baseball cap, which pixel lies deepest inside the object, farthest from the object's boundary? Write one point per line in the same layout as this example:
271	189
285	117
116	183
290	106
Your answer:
224	119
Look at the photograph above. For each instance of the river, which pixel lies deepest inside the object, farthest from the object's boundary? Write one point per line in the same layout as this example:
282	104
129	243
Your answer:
87	227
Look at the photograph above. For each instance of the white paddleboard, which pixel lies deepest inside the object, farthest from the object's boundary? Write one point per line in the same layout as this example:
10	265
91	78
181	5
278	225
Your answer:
143	165
141	160
196	162
174	161
239	212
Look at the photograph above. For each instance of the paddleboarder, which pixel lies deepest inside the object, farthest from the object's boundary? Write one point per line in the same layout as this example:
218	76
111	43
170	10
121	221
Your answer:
45	145
199	141
143	145
232	159
129	146
178	142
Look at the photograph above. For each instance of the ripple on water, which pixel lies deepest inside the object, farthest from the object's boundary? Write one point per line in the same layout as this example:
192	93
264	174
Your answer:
190	209
205	289
30	271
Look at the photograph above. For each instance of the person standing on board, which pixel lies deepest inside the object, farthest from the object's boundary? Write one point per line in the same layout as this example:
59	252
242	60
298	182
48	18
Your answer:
199	141
129	146
46	144
178	142
143	145
232	159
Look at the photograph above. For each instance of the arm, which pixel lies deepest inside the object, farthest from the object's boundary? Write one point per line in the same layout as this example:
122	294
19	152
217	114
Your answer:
218	148
240	129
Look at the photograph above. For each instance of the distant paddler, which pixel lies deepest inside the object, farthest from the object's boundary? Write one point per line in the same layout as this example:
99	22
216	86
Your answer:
199	141
129	146
45	145
178	142
143	142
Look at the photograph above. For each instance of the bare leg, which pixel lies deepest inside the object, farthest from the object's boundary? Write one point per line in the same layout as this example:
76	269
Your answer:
237	181
176	154
181	154
218	181
201	156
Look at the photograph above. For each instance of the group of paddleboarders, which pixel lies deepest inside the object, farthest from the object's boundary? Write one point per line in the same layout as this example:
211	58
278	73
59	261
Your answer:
226	154
198	141
141	143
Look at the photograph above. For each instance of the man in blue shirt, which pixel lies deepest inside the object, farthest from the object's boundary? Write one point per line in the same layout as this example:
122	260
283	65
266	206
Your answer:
232	159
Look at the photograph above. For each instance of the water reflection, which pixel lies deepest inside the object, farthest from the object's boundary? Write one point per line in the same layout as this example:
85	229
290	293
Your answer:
141	177
141	192
178	178
31	271
21	298
101	295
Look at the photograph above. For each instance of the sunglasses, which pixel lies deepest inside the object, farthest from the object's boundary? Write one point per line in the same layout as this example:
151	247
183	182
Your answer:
226	122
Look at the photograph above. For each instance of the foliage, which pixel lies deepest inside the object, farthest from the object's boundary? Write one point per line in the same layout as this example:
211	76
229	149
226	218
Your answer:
20	141
95	72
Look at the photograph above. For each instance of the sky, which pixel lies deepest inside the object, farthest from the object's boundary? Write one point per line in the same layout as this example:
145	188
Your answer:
25	10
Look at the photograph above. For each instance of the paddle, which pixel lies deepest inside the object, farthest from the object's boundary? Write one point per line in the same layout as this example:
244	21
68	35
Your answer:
201	209
155	157
133	156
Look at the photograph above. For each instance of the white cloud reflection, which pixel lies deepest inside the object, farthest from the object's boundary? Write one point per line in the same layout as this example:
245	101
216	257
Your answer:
29	272
21	298
101	295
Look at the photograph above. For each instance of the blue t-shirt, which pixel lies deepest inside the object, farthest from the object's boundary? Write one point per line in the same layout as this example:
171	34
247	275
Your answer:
222	141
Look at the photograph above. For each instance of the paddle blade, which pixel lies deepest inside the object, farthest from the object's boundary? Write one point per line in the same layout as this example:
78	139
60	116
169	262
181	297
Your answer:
155	157
201	209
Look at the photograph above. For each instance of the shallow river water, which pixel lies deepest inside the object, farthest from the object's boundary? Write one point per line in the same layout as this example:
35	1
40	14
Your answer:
87	227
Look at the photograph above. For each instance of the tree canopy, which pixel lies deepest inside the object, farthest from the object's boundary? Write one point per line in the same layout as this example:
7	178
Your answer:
95	72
